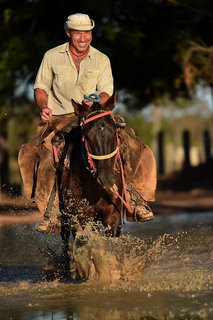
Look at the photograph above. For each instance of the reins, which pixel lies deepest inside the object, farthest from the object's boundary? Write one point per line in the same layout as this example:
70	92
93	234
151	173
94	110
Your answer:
125	202
115	153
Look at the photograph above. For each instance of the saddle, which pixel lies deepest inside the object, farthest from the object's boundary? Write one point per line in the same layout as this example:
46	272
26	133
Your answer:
38	161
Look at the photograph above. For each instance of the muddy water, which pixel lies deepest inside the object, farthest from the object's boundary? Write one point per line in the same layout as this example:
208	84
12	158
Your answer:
162	269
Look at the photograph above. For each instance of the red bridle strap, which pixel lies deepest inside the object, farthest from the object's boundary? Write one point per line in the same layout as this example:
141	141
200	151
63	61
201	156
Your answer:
91	162
55	154
118	157
97	116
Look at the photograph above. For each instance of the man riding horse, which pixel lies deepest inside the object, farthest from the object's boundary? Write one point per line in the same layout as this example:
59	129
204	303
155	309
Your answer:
69	72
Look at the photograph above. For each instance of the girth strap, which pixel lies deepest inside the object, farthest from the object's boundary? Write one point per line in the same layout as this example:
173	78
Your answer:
59	127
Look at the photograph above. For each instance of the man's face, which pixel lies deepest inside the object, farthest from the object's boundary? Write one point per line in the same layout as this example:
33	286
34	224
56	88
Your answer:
80	39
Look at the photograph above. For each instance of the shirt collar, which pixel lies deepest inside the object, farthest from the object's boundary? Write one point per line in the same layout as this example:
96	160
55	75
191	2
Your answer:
65	48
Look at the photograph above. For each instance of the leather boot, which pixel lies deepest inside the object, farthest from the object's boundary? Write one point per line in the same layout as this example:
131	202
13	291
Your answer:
48	226
50	222
142	212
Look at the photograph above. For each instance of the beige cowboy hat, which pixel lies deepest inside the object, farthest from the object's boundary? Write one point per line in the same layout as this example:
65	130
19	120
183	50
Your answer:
79	21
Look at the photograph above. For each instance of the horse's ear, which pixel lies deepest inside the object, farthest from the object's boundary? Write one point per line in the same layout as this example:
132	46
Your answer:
77	107
80	109
111	102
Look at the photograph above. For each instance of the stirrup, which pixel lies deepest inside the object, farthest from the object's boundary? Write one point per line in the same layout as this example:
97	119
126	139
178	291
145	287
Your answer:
142	211
48	227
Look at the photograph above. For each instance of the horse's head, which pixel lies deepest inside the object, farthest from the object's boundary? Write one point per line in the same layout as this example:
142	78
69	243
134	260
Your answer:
99	131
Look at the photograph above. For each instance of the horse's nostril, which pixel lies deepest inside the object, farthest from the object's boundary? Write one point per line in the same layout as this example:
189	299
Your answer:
106	181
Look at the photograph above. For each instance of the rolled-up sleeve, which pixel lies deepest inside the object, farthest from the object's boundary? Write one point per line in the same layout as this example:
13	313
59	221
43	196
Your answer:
105	80
44	76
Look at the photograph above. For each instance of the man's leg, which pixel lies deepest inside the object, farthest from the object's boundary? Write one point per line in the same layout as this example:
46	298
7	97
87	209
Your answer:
27	160
46	195
141	178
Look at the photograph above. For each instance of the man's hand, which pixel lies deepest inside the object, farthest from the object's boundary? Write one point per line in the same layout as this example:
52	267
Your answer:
88	102
45	114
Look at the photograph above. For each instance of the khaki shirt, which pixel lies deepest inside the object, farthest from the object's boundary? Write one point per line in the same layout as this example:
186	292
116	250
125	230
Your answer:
60	79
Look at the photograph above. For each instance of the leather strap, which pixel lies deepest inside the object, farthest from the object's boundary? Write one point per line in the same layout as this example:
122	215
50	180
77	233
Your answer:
59	127
51	200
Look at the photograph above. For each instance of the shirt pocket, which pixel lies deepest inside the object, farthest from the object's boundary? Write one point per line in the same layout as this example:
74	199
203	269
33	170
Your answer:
89	81
62	75
60	69
91	74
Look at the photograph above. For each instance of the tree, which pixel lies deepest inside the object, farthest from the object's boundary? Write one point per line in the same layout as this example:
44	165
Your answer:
146	41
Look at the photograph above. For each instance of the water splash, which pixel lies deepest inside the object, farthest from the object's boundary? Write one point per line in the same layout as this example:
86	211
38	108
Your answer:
130	277
181	262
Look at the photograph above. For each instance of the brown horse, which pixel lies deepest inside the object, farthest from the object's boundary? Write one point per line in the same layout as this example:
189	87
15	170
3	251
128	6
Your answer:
90	172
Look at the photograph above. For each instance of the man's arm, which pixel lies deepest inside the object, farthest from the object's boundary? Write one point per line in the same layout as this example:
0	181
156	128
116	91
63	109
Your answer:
104	83
42	87
41	99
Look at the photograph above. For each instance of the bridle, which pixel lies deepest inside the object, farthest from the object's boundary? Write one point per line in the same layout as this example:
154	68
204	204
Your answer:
91	156
116	153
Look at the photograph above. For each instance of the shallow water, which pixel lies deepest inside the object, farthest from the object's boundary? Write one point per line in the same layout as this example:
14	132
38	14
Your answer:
161	269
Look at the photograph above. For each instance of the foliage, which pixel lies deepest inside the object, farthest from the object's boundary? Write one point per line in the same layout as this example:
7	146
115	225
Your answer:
142	128
145	40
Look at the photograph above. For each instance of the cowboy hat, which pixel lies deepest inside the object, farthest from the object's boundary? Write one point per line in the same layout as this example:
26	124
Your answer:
79	21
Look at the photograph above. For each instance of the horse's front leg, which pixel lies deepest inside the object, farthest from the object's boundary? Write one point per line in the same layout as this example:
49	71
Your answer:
112	222
65	234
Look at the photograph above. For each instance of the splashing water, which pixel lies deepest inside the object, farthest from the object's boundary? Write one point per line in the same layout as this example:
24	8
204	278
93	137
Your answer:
109	259
156	275
167	263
